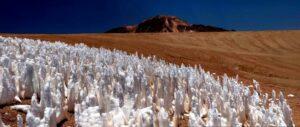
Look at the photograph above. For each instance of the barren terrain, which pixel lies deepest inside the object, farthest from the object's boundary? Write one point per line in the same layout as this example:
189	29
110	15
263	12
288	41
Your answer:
270	57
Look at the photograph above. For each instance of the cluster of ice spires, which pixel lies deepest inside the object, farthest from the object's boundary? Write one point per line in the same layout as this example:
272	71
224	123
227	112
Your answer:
111	88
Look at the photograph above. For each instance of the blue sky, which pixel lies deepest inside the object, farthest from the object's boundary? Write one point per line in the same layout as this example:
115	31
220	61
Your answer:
92	16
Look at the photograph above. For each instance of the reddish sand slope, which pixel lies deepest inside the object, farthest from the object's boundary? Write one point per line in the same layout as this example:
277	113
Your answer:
270	57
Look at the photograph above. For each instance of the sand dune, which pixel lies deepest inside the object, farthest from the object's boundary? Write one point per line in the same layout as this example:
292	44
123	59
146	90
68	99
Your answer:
270	57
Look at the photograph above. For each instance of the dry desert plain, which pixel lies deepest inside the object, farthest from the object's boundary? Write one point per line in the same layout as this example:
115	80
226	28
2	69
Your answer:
270	57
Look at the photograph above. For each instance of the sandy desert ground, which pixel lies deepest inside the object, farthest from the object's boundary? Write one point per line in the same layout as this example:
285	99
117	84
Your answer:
270	57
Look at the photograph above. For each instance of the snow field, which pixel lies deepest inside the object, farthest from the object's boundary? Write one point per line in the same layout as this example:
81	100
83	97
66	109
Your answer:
111	88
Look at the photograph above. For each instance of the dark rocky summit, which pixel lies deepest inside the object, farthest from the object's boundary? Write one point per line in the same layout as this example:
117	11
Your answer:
165	24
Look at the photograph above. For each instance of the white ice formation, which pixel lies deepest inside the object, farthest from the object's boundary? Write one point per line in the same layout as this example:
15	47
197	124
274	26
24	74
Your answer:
291	95
112	89
20	120
22	108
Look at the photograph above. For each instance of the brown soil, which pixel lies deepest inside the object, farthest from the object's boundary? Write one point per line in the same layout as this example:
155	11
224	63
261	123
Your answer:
270	57
9	116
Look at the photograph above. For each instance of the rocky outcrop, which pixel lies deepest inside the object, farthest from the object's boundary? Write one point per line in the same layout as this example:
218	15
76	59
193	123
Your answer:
165	24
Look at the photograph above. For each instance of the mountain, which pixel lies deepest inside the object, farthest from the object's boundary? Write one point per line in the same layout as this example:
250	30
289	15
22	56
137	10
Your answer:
162	23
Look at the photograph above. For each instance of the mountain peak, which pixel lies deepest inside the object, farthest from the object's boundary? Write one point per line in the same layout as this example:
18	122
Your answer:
164	23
